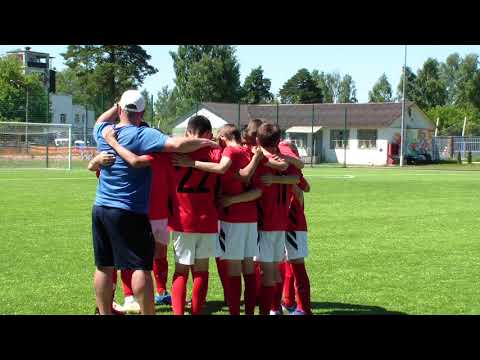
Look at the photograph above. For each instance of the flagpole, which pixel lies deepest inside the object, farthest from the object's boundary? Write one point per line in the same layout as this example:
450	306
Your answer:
402	131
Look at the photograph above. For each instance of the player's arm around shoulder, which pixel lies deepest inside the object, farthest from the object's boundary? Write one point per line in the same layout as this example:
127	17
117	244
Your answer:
132	159
247	196
289	178
101	159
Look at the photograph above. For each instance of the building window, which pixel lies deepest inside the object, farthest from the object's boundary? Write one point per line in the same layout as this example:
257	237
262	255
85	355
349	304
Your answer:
300	140
77	118
337	139
63	118
367	138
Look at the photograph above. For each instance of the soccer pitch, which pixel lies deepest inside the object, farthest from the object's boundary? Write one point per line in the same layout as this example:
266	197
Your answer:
382	241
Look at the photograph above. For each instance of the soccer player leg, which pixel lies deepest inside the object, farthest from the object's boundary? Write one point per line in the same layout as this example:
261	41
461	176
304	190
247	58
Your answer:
160	263
103	253
297	250
235	235
265	258
205	249
248	268
221	264
278	240
184	245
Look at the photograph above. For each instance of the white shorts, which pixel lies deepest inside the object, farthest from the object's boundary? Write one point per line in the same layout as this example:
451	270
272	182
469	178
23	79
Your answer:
237	241
191	246
159	231
296	245
271	246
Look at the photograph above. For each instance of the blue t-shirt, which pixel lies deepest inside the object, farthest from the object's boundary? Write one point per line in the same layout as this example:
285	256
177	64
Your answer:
120	185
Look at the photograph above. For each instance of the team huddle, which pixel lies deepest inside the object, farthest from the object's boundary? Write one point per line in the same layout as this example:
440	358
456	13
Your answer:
238	199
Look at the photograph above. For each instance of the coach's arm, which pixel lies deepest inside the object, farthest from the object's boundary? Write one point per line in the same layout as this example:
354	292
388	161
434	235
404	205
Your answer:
108	116
186	145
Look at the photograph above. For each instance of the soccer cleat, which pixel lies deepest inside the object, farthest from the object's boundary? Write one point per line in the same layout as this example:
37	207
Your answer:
297	312
131	306
289	310
278	312
117	309
165	299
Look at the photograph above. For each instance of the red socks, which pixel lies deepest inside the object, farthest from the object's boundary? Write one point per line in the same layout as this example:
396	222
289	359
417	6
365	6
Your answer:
266	297
222	273
199	291
179	293
258	280
233	294
127	282
250	293
160	272
302	288
278	291
289	286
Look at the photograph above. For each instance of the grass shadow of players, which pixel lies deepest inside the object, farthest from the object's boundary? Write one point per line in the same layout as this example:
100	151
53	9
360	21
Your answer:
212	307
335	308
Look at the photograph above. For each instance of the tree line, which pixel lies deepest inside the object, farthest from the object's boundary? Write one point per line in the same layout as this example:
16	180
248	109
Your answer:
96	75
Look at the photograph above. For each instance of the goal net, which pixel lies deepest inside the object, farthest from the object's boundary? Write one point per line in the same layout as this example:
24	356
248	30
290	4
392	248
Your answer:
32	145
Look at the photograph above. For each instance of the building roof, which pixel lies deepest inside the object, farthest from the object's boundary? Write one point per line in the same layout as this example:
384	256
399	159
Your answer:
366	115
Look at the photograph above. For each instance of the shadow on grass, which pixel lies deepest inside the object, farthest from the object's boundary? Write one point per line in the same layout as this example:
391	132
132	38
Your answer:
335	308
212	307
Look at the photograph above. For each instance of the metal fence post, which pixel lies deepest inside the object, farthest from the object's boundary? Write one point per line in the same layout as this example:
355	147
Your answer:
239	106
277	112
311	140
345	140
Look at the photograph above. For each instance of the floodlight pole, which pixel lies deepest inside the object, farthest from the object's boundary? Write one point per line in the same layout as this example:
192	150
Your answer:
402	131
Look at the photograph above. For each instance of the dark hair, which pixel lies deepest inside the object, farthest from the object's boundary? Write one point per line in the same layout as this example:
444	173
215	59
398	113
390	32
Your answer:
230	131
143	123
199	125
250	131
269	135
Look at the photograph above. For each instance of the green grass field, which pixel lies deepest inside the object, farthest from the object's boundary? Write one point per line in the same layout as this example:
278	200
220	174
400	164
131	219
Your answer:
382	241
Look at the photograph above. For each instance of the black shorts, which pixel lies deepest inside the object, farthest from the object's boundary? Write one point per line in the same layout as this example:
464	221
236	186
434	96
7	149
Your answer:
122	239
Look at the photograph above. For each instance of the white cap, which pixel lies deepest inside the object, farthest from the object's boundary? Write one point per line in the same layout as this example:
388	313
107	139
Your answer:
132	100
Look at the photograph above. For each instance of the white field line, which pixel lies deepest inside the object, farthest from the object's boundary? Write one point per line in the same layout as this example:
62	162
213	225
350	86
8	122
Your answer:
40	179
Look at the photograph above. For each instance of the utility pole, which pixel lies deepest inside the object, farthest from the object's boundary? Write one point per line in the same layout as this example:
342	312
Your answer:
402	131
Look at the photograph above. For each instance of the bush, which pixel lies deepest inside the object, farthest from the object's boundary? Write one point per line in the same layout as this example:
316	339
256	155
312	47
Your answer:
469	157
459	158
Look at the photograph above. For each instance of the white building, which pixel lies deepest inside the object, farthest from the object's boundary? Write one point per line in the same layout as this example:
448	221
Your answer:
372	129
35	62
65	112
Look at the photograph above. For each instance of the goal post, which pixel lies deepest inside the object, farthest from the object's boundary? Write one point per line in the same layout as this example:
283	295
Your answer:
35	145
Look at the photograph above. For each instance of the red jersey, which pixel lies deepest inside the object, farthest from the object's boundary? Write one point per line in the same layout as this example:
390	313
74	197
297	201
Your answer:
192	205
242	212
273	206
296	213
159	163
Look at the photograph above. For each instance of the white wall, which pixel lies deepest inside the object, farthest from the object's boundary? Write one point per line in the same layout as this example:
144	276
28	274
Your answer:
356	156
61	104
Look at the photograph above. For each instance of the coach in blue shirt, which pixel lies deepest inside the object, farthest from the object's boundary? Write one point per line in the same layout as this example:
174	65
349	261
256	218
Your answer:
122	237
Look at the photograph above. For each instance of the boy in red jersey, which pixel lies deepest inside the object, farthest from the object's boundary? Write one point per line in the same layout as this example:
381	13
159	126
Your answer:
194	221
296	277
237	243
272	214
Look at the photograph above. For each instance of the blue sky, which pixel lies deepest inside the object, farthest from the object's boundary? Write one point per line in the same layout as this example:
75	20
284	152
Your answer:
365	63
